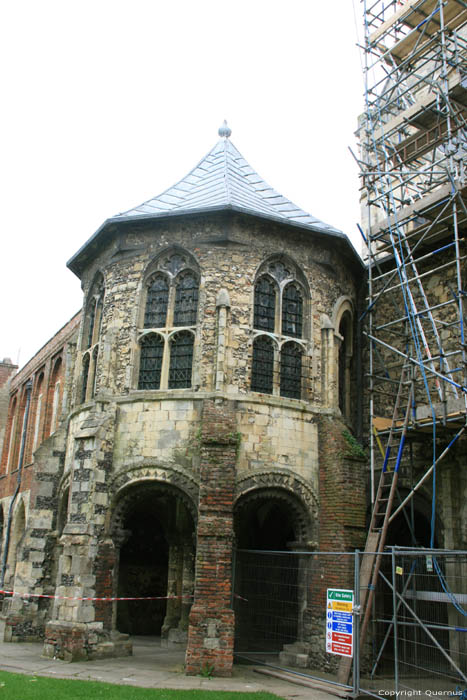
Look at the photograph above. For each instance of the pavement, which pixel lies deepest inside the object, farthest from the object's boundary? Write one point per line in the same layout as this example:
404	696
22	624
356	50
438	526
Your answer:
150	667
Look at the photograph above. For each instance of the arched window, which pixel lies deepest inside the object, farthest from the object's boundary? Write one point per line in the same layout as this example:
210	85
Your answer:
262	371
150	366
85	376
181	360
157	301
186	299
38	400
265	305
291	371
91	336
171	302
344	363
279	309
292	311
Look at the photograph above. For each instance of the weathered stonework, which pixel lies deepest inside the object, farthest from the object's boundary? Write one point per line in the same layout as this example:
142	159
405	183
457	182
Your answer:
142	492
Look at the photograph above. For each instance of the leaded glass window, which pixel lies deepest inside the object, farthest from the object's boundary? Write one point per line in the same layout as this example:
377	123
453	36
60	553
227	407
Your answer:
291	371
150	365
84	385
262	371
186	299
92	318
181	360
265	305
292	311
157	300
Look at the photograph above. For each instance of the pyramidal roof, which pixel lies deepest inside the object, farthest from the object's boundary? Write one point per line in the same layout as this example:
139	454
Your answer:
223	179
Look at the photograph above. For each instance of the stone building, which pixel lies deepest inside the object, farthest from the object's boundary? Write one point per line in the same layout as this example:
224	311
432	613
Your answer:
203	399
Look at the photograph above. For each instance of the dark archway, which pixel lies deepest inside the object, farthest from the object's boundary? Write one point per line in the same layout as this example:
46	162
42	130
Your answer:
155	531
269	524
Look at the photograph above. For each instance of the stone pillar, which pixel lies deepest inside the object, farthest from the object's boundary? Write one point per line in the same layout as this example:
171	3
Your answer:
211	620
188	582
222	306
174	580
81	626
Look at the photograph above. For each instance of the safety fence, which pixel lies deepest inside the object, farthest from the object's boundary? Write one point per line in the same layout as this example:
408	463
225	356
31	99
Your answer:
300	612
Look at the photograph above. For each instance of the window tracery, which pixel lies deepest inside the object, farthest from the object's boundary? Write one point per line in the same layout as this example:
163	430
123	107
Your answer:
279	313
91	336
170	304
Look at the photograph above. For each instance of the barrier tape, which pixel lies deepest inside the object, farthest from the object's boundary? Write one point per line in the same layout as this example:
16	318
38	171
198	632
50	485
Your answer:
107	599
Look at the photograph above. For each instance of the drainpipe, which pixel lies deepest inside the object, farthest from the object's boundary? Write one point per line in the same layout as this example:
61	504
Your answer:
18	482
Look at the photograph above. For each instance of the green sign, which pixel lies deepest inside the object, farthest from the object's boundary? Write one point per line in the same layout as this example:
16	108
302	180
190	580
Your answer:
336	594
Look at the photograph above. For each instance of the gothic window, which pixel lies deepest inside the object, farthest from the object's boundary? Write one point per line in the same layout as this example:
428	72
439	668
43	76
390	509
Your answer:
262	370
186	300
150	366
171	302
279	311
181	360
91	335
292	311
85	375
265	305
291	371
156	302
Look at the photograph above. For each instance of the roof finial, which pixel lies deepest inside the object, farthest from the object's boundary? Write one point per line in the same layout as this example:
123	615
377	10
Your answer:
224	130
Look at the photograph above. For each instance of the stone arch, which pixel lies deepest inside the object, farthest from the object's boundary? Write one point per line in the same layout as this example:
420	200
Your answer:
284	489
152	525
146	471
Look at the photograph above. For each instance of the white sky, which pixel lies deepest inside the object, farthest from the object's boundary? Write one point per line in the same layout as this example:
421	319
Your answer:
107	103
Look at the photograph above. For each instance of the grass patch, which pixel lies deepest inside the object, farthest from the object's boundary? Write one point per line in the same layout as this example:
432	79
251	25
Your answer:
15	686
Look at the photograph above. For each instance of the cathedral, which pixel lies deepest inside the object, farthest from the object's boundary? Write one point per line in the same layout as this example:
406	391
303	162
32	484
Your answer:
205	398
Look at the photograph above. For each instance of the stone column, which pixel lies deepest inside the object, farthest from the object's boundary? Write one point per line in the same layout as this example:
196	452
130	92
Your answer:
211	628
81	626
188	582
222	305
174	577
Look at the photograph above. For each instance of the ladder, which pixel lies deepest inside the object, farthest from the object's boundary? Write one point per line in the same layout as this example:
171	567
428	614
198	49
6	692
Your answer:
376	538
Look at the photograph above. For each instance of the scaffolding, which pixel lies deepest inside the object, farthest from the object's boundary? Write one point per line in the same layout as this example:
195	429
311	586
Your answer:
413	158
413	139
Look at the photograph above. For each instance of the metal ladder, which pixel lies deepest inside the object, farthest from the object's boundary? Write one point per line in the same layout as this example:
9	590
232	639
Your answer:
376	538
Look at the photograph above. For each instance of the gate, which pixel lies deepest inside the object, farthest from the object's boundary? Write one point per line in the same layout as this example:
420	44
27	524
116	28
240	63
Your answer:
417	639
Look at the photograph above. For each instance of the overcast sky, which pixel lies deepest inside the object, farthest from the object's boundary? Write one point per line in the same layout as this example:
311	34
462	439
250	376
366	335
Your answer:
107	103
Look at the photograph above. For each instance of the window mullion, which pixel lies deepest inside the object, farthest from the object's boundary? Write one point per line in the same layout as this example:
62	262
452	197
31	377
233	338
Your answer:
165	363
170	308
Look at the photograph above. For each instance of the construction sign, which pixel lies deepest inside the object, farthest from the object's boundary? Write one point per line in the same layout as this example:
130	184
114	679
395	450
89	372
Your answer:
339	622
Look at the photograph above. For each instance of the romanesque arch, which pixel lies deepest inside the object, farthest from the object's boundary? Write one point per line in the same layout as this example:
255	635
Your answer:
152	524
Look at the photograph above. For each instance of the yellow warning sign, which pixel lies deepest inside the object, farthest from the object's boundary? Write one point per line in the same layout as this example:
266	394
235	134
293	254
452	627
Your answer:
342	606
329	605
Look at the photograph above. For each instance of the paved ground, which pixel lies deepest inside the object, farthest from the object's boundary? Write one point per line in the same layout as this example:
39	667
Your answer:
150	667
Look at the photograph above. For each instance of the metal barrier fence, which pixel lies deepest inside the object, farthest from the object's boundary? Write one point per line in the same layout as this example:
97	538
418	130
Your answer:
416	642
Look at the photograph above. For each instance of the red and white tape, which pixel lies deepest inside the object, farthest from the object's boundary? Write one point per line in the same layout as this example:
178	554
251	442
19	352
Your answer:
109	599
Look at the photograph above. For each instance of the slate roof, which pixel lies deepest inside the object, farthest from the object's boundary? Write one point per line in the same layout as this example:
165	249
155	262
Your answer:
223	179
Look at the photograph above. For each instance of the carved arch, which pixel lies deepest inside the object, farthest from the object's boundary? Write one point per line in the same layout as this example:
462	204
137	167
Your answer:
287	487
